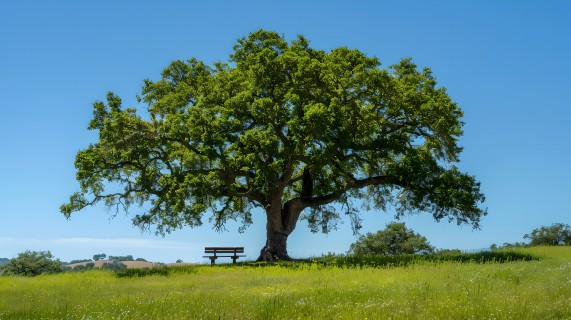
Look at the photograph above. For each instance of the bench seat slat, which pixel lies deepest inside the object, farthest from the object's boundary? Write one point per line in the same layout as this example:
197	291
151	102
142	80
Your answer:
225	251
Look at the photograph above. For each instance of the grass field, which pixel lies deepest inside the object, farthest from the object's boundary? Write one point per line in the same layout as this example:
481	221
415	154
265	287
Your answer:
538	289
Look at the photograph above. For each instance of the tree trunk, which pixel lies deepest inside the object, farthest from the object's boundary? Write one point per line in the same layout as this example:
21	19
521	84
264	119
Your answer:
275	248
279	226
281	221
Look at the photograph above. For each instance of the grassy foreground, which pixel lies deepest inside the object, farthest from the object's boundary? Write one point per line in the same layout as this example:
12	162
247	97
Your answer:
539	289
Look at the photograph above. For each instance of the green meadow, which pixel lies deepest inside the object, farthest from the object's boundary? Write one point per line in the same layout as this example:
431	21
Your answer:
316	289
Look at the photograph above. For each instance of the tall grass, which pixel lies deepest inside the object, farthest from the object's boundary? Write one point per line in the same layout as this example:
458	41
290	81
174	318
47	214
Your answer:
402	260
537	289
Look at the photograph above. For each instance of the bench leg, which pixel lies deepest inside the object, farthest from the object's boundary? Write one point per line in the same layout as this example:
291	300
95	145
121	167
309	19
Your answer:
212	261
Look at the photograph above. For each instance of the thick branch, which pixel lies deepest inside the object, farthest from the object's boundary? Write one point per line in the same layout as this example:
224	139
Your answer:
297	205
332	197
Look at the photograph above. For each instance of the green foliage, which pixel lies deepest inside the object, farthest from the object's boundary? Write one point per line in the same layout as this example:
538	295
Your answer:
556	234
401	260
509	245
225	138
32	263
98	257
121	258
114	265
81	267
79	261
449	251
141	259
179	261
396	238
3	261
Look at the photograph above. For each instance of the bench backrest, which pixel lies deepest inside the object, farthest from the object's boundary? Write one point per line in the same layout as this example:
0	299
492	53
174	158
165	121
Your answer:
224	250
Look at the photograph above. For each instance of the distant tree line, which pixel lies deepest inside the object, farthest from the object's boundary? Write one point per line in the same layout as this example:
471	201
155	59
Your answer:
121	258
555	235
79	261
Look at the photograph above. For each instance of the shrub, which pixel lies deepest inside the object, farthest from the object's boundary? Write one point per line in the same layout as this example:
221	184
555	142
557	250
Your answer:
394	239
115	265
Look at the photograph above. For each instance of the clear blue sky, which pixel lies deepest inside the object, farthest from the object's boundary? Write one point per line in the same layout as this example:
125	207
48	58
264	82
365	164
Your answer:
507	63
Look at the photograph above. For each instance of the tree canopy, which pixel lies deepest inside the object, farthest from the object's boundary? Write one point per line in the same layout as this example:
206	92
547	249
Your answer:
283	127
396	238
556	234
99	256
32	263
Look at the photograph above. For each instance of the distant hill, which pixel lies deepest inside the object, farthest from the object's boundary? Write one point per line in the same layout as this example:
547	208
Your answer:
130	264
4	261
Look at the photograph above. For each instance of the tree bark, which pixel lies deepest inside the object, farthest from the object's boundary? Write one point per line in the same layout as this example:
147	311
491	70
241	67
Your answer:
278	228
275	248
282	219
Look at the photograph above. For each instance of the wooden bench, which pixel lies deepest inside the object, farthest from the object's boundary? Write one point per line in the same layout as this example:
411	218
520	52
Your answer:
225	251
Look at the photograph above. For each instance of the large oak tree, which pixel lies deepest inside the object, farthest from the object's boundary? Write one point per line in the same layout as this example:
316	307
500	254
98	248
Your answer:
296	131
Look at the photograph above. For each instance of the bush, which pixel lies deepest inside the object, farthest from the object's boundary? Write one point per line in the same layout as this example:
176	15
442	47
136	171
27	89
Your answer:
32	263
394	239
115	265
82	267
